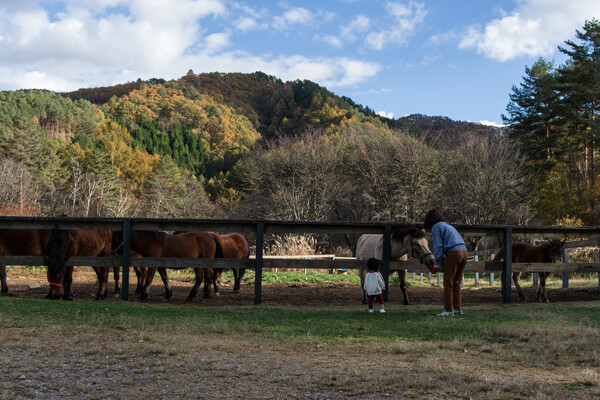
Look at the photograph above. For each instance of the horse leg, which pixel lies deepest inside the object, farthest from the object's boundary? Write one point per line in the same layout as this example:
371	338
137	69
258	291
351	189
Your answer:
102	274
362	285
216	275
116	274
140	273
516	277
238	275
165	278
209	277
542	288
68	284
402	277
196	286
3	278
149	278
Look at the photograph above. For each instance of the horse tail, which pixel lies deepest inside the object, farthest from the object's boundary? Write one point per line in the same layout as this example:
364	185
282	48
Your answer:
219	248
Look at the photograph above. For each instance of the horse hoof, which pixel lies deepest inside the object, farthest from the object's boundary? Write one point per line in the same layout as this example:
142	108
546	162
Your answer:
236	291
169	294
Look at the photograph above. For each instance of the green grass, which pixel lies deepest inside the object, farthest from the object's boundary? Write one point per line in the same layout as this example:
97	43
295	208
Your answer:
412	324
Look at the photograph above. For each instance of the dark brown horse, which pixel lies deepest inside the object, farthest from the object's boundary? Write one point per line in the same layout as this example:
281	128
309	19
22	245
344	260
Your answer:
548	252
21	242
233	245
140	272
182	245
65	244
403	242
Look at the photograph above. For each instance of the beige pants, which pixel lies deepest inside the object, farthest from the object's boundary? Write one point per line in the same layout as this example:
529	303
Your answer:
454	266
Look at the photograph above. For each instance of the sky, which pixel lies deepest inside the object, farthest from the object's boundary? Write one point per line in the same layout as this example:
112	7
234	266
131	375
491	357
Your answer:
452	58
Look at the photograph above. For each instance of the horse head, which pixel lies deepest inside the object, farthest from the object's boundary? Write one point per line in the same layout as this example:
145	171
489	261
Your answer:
555	248
56	255
415	244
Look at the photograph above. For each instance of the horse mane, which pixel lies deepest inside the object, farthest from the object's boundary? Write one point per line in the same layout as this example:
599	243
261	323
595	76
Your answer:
159	236
400	233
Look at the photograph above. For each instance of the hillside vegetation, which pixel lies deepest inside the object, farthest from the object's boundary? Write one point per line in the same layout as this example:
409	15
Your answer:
252	146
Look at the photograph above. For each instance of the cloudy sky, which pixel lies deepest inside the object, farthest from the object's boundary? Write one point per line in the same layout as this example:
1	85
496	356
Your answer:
453	58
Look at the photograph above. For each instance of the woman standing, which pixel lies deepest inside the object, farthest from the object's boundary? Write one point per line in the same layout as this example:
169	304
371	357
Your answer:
450	257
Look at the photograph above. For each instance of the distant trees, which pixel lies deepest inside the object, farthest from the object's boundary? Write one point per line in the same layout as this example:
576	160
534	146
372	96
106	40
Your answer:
554	115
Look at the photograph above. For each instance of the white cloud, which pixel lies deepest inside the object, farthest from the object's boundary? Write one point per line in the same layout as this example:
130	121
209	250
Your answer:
295	16
490	123
331	40
407	17
384	114
533	29
105	42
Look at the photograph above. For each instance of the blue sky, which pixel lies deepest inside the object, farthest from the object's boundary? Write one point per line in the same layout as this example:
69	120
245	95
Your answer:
452	58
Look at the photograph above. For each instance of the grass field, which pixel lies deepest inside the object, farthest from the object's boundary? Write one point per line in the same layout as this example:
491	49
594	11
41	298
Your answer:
130	350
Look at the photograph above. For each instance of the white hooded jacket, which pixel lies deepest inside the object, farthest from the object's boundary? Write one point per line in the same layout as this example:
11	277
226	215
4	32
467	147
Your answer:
374	283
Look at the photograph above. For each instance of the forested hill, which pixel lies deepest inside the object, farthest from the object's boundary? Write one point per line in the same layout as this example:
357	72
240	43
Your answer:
244	146
280	109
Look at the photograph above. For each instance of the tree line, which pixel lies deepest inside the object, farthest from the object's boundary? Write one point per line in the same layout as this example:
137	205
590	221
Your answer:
553	114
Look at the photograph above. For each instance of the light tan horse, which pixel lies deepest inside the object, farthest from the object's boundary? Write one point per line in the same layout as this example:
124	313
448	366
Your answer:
403	242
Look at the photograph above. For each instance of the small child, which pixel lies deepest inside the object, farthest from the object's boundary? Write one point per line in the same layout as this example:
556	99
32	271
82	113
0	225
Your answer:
374	284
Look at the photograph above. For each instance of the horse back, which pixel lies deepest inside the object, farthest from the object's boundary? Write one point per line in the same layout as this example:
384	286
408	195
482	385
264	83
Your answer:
234	245
369	246
526	253
23	242
91	243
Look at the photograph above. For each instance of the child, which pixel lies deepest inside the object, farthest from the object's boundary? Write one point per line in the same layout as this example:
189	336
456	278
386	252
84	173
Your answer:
374	284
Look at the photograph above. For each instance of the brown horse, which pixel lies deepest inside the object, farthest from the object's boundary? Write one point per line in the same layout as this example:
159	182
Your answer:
21	242
84	243
233	245
140	272
551	251
183	245
403	242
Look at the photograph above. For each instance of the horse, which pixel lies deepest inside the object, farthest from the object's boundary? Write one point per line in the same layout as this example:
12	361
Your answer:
140	272
21	242
548	252
403	241
65	244
233	245
183	245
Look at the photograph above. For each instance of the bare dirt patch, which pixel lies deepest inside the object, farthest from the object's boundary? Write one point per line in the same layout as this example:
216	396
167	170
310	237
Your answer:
27	283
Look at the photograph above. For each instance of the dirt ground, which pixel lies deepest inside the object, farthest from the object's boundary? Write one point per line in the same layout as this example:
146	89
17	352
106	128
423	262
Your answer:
142	365
26	283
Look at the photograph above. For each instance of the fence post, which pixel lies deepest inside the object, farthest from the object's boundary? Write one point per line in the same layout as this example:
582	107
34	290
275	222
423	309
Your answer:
565	275
385	262
125	262
507	266
258	262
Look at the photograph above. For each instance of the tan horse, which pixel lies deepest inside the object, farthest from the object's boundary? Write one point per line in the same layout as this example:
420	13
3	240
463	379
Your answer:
548	252
403	242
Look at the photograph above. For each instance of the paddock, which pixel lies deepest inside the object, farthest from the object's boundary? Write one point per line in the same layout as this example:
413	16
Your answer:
255	231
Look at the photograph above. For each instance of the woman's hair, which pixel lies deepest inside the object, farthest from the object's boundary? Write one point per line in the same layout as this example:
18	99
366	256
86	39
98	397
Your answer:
373	264
433	217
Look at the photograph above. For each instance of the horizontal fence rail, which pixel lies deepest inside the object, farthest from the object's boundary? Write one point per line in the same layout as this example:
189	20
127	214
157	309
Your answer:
257	229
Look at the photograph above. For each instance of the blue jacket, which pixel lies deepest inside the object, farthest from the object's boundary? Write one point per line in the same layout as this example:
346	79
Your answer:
445	238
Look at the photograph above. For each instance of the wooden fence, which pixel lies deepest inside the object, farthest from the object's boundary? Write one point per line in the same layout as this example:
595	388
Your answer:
256	230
